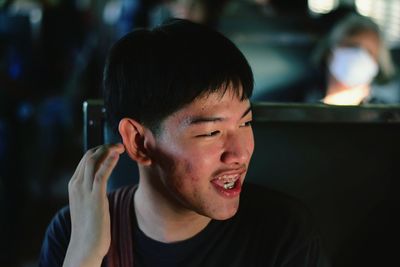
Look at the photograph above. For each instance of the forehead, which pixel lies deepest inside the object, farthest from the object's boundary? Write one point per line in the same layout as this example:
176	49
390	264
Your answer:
368	40
223	104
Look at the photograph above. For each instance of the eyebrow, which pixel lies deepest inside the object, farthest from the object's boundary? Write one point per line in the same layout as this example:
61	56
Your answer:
199	119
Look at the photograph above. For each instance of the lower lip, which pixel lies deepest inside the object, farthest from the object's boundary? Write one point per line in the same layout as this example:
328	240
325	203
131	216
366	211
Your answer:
229	193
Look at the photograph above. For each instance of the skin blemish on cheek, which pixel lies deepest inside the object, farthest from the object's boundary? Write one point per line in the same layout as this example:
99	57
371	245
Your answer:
189	170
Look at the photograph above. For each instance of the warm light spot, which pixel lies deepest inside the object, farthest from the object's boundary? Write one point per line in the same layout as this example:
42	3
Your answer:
352	96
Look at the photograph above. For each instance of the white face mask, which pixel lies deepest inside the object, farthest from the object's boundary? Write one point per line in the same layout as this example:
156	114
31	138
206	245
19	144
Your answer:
353	66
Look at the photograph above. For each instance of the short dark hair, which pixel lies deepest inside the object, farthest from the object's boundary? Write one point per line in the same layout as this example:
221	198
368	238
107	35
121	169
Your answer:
151	73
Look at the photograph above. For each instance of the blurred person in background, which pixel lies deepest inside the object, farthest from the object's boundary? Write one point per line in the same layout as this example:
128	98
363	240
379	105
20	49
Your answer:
345	66
41	71
15	77
133	14
353	56
207	12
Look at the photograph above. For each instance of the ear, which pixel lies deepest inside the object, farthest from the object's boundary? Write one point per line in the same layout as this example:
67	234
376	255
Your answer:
134	138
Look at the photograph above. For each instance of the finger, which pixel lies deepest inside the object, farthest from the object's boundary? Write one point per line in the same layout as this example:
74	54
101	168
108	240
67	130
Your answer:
79	171
90	166
105	169
94	162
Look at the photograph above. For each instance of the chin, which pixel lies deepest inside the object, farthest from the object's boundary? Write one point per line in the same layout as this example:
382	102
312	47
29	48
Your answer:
225	217
225	214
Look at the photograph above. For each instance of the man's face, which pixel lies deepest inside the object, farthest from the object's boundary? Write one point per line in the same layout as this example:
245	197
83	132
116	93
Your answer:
202	154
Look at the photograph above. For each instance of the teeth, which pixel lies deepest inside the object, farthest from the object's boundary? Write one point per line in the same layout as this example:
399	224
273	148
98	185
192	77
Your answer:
228	181
229	185
229	178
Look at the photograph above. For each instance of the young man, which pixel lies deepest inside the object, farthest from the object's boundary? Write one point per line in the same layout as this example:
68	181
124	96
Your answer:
179	97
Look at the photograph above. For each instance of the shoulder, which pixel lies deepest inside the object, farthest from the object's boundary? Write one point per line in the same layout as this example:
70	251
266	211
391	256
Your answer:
121	198
60	224
56	239
122	192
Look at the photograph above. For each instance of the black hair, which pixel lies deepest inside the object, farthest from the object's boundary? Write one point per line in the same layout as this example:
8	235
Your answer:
151	73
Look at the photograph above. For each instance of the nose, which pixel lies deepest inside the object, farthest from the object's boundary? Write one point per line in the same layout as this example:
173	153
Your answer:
237	149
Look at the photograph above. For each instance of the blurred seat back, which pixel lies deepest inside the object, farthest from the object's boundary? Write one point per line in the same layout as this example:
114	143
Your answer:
343	163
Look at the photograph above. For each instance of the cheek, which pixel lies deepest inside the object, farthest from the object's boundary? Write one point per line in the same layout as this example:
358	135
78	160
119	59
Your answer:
251	145
189	162
201	156
196	165
189	170
249	141
195	169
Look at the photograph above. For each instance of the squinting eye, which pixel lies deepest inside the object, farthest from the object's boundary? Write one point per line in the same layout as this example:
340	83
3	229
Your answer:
209	134
246	124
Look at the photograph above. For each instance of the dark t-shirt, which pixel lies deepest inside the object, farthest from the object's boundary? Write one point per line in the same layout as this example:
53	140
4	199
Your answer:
269	229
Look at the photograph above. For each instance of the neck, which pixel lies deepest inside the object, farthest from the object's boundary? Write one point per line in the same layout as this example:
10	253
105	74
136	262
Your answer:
161	219
339	94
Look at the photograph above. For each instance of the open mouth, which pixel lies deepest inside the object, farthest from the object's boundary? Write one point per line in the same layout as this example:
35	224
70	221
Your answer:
227	181
228	185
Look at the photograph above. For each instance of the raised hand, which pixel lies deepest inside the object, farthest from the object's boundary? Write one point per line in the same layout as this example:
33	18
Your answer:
90	216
